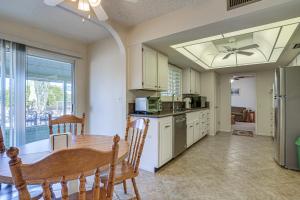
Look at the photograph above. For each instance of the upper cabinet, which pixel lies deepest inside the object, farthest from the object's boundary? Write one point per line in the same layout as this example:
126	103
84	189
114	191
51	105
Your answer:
148	69
163	71
191	81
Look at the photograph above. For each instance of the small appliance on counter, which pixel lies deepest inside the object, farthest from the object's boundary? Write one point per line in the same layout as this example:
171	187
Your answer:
148	105
187	101
195	102
203	101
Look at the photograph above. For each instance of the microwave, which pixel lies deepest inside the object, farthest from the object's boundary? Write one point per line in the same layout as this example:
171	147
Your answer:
198	102
148	104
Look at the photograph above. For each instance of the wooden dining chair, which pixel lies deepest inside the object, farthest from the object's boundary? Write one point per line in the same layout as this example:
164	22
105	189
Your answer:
67	120
64	165
135	135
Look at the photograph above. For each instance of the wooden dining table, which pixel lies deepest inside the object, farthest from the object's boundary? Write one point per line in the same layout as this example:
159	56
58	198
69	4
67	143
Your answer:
32	152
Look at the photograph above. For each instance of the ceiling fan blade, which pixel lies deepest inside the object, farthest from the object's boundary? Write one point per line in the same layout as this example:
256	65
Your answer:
228	48
53	2
227	56
245	53
252	46
100	13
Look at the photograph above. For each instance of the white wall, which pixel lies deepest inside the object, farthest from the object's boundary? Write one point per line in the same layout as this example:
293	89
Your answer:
247	97
264	99
225	103
107	88
34	37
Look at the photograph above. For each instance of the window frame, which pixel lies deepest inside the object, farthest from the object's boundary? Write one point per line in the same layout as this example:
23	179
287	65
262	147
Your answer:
177	98
57	57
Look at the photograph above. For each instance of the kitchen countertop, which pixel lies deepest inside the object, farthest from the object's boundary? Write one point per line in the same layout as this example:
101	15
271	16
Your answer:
167	113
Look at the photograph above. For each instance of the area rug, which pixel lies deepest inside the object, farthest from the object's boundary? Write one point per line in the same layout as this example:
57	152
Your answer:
243	133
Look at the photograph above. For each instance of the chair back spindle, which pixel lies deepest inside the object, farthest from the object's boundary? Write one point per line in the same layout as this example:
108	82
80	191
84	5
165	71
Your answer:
135	135
63	165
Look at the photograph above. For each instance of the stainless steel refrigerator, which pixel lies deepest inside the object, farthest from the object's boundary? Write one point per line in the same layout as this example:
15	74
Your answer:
287	115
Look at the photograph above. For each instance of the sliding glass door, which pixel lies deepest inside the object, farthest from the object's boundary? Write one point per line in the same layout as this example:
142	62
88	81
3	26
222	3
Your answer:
7	88
49	91
33	84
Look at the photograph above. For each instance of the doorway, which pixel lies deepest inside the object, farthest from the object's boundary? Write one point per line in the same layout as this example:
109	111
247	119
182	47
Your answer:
243	104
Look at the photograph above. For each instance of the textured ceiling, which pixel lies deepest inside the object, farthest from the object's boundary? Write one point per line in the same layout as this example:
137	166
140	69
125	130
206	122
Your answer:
51	19
130	14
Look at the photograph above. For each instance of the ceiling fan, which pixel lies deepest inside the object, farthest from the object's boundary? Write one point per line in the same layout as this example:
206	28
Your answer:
85	5
230	51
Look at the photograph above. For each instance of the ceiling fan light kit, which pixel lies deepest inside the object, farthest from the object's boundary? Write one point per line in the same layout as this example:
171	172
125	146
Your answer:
95	3
84	5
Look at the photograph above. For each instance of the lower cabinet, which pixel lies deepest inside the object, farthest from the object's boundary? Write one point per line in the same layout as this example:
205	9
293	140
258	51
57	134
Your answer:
158	147
190	134
197	130
197	126
165	142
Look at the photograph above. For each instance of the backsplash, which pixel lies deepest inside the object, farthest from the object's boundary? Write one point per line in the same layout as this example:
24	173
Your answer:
166	106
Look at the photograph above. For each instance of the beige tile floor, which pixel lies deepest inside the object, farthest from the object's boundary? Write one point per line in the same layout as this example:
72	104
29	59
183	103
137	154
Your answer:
223	167
220	168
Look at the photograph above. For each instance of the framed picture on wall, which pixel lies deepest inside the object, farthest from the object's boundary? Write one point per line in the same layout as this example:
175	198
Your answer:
235	91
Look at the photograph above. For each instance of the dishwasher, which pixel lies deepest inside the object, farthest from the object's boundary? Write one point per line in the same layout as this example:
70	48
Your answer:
179	134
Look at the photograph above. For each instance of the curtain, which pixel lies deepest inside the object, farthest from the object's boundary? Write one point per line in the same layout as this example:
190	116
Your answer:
12	84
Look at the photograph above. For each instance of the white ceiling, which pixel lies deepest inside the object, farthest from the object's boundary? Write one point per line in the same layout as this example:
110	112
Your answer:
51	19
130	14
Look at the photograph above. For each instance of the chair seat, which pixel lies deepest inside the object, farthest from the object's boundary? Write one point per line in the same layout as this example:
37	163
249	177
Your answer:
123	171
89	195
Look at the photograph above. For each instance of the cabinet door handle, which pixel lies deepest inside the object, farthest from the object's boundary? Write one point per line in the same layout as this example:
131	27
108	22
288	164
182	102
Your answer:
191	126
168	126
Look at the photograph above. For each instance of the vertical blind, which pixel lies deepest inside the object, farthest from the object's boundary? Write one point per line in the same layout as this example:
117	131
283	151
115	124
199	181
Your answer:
12	66
174	82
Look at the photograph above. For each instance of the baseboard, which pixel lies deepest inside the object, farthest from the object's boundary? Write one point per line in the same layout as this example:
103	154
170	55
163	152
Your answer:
227	131
263	134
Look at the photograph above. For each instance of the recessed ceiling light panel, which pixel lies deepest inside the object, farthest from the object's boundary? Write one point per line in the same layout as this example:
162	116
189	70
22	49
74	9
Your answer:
261	44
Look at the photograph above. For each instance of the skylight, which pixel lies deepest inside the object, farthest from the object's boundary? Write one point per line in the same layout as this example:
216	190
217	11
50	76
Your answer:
261	44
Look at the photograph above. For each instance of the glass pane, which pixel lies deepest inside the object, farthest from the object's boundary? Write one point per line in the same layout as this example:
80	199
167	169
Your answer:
7	92
48	91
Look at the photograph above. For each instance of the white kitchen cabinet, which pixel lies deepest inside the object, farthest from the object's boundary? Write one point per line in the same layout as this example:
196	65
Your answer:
163	72
165	142
158	147
197	126
147	69
191	81
197	130
190	134
205	122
